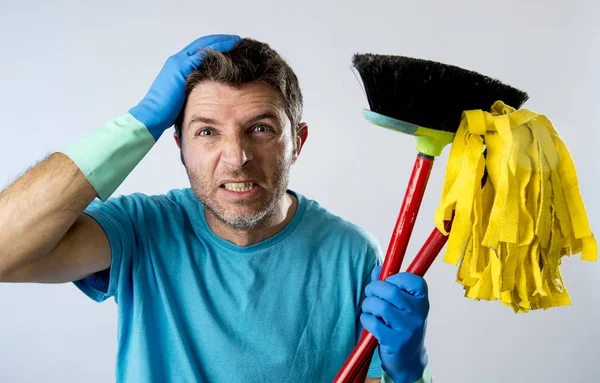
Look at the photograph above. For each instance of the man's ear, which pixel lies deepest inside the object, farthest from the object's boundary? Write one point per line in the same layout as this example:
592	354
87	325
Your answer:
301	136
177	139
178	142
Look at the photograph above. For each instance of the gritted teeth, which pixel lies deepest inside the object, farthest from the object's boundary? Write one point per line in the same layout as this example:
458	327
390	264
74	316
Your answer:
239	186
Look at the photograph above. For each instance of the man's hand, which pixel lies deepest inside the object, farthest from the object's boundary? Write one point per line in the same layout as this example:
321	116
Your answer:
395	312
163	102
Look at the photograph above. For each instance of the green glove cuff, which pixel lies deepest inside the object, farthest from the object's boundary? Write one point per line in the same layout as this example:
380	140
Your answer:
111	152
426	378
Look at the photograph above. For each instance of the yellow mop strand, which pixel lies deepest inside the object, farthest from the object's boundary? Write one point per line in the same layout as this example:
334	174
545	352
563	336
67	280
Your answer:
508	237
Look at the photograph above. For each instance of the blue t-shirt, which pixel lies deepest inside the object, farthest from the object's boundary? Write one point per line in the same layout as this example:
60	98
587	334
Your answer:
196	308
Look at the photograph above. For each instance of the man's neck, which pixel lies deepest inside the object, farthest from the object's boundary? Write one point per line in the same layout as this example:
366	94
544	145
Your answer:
273	224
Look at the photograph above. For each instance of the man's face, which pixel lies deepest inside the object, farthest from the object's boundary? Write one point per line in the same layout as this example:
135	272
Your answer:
237	146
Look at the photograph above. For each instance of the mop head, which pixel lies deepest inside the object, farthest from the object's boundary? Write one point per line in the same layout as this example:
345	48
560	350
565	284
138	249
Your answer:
509	235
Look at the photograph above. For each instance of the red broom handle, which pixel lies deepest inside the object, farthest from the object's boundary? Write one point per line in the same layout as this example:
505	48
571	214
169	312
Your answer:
407	216
393	258
419	266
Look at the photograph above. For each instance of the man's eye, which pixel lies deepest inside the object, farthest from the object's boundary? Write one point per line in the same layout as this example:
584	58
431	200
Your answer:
261	128
205	132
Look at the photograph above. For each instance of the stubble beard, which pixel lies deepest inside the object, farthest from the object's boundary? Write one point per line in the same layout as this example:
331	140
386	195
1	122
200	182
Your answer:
246	221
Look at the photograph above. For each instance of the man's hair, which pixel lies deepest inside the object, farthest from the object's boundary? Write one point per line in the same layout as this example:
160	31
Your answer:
250	61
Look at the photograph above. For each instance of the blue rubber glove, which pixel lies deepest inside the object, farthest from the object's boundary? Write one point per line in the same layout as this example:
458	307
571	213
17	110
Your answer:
395	312
163	102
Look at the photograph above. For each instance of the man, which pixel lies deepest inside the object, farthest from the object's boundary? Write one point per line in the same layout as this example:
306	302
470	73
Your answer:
237	279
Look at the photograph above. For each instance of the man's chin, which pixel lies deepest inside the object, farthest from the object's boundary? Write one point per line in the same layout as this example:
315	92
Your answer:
239	217
242	213
246	221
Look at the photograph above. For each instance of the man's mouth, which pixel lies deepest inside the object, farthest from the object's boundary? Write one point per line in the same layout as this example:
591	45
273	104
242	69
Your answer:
239	187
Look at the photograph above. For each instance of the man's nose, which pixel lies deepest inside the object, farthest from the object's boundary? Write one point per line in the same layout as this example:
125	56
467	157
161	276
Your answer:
236	152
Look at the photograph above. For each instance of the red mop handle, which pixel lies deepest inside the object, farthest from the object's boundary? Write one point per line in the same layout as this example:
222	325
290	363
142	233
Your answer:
419	266
430	250
393	258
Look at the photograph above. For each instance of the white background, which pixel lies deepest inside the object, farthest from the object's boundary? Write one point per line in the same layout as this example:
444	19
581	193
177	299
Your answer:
67	68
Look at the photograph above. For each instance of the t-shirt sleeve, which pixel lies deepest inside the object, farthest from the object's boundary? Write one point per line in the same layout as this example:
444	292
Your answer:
116	217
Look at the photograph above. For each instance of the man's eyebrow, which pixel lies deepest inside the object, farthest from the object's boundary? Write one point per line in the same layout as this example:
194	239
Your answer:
265	115
205	120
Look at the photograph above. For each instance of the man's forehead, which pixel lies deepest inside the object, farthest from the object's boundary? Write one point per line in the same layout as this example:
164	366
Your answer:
249	100
212	92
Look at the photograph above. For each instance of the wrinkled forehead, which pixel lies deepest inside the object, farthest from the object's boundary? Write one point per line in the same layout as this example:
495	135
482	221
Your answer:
223	100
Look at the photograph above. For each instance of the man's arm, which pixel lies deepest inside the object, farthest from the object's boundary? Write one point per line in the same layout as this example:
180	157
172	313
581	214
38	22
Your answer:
373	380
44	237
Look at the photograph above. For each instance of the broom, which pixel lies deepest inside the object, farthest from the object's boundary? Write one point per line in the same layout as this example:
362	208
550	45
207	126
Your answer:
402	93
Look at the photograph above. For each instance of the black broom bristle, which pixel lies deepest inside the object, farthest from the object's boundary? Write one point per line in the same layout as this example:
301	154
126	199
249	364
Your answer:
428	93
